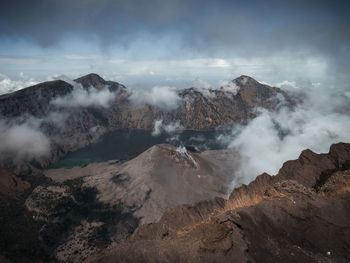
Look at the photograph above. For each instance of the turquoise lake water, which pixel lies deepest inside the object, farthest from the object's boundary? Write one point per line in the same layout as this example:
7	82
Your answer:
124	145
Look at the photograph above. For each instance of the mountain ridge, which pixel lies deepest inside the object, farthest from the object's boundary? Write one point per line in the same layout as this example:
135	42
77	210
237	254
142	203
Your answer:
194	112
237	228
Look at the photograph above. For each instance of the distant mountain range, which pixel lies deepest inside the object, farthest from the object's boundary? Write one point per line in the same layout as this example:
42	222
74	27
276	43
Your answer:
71	119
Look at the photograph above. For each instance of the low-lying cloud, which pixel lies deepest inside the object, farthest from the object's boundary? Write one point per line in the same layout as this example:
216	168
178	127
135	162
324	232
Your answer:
8	85
164	97
24	138
275	137
81	97
23	141
229	87
170	128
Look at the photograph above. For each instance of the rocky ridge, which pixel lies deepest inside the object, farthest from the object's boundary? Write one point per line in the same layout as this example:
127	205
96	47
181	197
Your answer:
300	214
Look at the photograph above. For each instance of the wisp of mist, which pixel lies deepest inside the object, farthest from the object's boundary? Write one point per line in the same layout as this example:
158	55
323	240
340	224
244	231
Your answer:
321	119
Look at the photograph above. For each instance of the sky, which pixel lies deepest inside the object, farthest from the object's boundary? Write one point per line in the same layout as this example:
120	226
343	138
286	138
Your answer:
178	43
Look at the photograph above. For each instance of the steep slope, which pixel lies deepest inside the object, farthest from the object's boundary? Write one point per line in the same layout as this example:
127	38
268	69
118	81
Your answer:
95	81
91	80
34	100
234	103
66	128
122	196
301	214
10	184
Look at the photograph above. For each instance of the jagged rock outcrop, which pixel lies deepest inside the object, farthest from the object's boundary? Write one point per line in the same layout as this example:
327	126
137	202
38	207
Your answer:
222	107
301	214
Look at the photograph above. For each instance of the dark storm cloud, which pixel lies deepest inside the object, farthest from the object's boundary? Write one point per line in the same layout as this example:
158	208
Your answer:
47	21
247	28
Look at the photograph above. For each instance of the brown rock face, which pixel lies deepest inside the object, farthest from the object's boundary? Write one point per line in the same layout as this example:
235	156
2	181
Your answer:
10	184
223	108
301	214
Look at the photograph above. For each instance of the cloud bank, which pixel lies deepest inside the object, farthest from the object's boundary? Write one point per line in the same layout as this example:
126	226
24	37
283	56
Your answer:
292	24
275	137
81	97
164	97
8	85
170	128
234	36
24	138
23	141
229	87
204	87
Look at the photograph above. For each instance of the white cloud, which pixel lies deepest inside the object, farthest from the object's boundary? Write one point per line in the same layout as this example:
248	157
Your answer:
56	118
203	87
81	97
157	129
275	137
287	84
219	63
164	97
173	127
22	138
229	86
24	141
8	85
160	127
201	84
82	57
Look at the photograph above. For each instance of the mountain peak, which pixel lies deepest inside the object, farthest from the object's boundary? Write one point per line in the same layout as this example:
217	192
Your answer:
244	80
91	79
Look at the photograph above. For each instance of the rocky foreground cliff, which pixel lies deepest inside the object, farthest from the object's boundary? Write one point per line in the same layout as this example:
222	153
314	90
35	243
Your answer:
302	214
171	205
